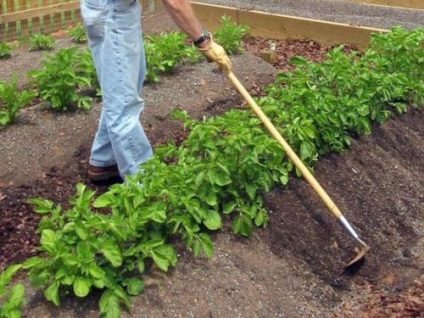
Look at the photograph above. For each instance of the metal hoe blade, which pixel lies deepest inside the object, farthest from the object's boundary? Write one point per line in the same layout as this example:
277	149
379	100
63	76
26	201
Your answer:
362	249
360	252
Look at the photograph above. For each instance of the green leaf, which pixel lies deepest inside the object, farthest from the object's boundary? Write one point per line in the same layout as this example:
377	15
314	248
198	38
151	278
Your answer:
16	296
260	218
68	280
42	206
211	198
153	243
223	175
70	260
82	286
4	118
298	60
8	273
284	179
134	286
69	227
52	293
40	278
122	295
206	244
213	220
48	240
81	230
200	177
60	273
84	253
96	271
156	212
33	262
251	190
196	246
242	225
306	150
109	305
104	200
219	177
100	283
141	266
112	253
229	207
164	256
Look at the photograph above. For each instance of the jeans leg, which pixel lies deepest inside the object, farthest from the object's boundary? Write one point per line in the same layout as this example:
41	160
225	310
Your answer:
121	69
94	13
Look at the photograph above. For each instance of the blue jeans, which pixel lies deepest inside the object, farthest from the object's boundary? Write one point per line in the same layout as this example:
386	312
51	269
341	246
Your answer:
115	38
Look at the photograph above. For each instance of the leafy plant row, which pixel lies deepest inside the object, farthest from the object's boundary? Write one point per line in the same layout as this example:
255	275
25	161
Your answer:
220	171
321	106
67	75
44	42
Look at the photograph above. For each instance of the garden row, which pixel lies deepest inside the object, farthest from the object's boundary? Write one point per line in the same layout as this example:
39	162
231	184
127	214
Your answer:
67	77
219	172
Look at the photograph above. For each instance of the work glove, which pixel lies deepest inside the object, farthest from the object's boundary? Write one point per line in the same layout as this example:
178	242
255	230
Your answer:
216	53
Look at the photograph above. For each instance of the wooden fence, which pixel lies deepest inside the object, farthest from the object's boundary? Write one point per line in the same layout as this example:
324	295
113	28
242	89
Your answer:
23	17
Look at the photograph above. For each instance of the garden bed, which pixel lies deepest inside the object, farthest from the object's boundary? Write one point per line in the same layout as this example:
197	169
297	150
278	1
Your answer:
295	266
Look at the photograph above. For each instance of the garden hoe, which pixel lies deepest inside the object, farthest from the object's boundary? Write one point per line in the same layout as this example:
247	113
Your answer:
363	248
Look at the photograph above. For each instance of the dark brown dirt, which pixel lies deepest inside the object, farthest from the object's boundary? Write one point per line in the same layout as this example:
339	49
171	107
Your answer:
294	267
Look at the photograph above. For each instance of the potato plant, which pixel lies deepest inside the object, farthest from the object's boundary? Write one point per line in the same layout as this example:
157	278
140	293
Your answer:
87	250
78	34
12	99
230	35
5	50
61	78
12	298
164	51
41	42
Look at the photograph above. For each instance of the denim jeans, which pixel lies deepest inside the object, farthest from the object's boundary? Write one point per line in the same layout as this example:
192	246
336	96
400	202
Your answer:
115	38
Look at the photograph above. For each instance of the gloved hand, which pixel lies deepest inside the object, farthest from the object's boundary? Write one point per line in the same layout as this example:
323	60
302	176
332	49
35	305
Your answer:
216	53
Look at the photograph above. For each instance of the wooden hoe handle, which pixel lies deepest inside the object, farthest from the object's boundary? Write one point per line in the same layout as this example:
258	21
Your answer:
292	155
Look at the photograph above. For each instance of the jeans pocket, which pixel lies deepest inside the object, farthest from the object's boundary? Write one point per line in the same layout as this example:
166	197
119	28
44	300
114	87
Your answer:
93	13
94	4
124	5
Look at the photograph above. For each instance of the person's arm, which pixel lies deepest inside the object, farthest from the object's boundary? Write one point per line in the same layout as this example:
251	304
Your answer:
183	15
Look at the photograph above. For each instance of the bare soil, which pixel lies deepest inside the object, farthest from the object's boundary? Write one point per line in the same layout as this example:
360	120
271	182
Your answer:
292	268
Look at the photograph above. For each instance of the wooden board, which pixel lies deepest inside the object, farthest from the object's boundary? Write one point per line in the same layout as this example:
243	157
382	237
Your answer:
287	27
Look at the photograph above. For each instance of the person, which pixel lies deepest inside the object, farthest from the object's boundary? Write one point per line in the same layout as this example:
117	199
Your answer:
114	33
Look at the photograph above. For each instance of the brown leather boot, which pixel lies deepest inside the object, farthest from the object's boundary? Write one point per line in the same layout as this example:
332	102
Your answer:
97	174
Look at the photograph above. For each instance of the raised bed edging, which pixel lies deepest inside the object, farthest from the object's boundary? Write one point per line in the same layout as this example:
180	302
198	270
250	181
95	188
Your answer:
279	26
412	4
264	24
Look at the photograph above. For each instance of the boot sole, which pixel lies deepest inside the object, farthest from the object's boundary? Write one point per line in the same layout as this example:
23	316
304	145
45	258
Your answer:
102	176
